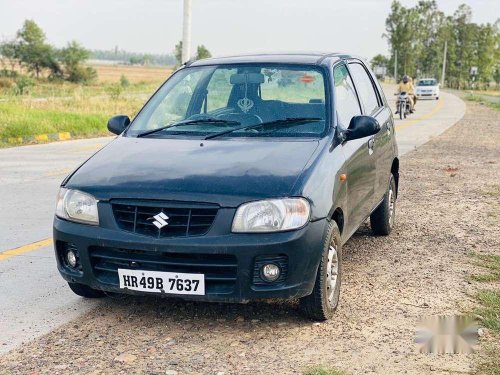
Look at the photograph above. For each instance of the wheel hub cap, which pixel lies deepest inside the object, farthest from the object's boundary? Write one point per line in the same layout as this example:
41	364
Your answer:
332	271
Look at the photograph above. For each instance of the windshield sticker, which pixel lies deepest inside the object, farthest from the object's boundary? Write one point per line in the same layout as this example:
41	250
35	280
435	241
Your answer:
306	78
245	104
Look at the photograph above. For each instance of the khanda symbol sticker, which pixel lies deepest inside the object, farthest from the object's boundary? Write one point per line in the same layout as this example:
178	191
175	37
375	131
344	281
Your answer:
245	104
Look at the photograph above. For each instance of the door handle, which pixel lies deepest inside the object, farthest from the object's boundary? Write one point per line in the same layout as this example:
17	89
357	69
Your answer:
371	144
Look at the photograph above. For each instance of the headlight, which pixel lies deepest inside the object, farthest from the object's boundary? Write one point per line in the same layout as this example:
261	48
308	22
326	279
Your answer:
77	206
273	215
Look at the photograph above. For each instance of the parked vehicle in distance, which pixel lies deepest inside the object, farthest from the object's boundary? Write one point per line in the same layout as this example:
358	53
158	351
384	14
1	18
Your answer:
240	179
427	88
403	105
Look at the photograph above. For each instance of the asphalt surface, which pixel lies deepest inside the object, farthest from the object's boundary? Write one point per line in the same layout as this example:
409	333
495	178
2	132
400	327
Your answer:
33	297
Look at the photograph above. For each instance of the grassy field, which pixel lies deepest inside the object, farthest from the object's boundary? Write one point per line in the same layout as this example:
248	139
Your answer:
488	311
135	74
82	110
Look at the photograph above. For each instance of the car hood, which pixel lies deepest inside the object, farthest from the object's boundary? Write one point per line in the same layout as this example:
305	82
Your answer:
227	172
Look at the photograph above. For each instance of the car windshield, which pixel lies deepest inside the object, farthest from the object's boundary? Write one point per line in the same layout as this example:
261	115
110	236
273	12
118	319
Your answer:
427	82
232	100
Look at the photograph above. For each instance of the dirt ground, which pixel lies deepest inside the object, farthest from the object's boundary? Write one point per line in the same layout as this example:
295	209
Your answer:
446	211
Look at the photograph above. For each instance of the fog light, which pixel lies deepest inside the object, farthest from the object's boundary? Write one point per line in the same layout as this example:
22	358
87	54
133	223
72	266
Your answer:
71	258
270	272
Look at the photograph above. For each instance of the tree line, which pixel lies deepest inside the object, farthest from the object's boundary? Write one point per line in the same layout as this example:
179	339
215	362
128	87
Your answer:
418	36
30	50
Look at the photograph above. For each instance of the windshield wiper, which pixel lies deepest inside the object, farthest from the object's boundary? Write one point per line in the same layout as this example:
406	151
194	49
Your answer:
189	122
290	121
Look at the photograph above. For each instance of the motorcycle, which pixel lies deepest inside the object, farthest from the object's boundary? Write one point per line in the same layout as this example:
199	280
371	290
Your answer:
403	105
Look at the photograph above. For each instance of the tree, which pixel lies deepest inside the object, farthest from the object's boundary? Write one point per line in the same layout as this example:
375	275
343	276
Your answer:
32	50
72	57
8	51
202	53
379	60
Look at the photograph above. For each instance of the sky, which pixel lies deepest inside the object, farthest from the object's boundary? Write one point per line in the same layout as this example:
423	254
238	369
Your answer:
225	26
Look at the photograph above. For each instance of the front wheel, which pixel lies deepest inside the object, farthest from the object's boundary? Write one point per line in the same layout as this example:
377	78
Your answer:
402	111
85	291
323	301
383	218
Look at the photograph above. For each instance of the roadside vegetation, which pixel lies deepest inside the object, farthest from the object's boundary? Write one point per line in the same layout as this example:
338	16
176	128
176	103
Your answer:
488	311
492	103
324	370
45	90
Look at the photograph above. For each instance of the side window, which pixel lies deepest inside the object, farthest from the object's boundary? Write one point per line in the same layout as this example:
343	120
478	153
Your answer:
365	88
347	105
219	89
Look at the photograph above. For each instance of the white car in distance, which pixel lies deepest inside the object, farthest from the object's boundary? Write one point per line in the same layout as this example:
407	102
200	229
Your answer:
427	88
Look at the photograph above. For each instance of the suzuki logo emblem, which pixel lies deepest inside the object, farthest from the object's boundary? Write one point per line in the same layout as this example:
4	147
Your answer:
160	220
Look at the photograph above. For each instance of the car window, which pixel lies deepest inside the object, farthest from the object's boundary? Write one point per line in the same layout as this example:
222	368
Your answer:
346	101
365	88
427	82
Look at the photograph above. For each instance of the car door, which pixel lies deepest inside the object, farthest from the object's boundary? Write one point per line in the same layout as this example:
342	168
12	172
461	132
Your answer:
381	145
360	163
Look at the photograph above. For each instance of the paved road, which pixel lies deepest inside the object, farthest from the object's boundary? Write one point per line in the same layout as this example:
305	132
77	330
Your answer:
33	298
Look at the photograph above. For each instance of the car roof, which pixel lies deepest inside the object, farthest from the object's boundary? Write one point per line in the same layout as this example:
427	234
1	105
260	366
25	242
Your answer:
315	58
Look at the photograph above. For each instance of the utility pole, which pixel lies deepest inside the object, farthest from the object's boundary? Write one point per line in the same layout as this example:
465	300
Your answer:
396	66
186	32
444	63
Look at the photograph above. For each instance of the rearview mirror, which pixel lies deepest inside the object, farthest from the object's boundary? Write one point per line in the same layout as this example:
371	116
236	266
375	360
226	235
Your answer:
361	126
118	124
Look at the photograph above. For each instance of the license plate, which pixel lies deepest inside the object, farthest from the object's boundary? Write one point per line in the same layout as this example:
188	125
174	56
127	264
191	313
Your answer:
162	282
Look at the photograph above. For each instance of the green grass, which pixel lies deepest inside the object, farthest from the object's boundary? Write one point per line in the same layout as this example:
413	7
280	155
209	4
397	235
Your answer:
82	116
485	101
489	312
491	263
324	370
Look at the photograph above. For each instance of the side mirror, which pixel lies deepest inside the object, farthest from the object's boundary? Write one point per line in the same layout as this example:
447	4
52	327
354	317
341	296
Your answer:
118	124
361	126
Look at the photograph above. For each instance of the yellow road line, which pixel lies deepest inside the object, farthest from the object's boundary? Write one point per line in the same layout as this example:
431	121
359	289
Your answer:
436	109
25	249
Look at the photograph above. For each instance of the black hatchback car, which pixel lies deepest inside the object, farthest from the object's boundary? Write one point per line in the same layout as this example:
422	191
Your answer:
240	179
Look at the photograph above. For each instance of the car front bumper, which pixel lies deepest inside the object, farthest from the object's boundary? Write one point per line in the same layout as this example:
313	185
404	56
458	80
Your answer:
230	262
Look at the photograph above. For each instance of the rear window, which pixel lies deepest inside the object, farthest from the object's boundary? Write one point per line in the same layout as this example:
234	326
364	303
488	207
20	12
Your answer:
427	82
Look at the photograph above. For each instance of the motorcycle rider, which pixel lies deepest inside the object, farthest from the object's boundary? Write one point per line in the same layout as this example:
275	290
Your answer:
406	85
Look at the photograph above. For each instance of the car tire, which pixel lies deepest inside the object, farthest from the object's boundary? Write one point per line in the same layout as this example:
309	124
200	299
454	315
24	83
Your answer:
321	304
383	218
85	291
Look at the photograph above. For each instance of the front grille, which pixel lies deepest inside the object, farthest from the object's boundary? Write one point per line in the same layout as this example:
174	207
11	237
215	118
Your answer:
220	270
182	221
